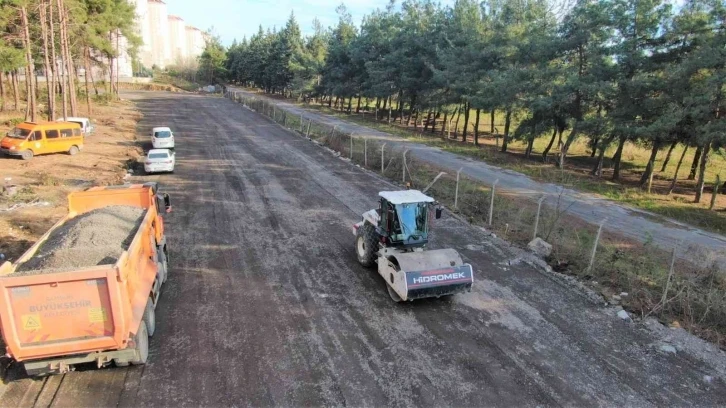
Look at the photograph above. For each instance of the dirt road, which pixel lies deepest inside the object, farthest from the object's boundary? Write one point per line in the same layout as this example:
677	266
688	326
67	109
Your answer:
267	305
623	220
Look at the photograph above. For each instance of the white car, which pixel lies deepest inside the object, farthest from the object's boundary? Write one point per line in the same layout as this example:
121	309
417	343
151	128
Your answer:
160	161
86	126
162	138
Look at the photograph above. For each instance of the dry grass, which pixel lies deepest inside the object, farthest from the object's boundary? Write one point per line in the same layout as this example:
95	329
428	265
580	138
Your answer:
49	178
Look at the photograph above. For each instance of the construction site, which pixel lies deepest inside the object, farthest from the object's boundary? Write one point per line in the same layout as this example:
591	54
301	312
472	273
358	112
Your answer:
267	303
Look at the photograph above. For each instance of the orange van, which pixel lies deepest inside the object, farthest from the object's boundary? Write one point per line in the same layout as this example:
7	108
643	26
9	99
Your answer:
28	139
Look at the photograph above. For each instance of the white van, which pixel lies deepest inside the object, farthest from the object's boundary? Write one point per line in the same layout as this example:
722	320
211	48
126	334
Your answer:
86	126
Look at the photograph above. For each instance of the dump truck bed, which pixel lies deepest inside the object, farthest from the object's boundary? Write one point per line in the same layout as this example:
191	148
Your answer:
53	307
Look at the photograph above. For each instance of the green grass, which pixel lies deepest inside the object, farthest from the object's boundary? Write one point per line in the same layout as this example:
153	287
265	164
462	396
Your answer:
676	206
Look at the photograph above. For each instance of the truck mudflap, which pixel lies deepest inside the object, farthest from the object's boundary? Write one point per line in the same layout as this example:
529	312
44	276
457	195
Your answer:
433	273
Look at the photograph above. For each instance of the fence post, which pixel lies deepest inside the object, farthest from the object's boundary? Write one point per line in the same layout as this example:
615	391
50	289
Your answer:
332	131
365	152
456	193
491	202
351	147
307	134
284	118
404	167
438	176
594	246
274	113
536	219
301	123
383	161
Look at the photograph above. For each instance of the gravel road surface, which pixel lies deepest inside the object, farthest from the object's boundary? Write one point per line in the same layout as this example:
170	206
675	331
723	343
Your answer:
266	304
627	221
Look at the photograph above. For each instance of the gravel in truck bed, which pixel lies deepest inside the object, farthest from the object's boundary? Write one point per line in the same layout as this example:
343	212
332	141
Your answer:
97	237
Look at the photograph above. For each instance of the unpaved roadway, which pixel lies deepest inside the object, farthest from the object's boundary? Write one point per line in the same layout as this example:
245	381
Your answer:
697	245
266	304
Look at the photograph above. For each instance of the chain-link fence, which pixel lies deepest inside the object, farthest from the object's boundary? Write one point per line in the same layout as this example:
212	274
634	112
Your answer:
647	279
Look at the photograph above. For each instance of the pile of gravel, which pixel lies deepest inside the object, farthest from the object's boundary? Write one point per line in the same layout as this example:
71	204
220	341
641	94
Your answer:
97	237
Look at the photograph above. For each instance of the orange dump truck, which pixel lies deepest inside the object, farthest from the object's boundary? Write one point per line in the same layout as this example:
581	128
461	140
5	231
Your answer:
87	290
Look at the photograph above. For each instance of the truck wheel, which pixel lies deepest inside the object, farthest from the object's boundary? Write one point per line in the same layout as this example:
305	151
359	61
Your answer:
27	155
73	150
366	245
150	318
141	339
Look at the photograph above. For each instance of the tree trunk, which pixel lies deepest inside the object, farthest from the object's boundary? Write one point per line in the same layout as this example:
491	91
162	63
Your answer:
467	111
617	157
595	141
64	56
16	88
330	101
415	119
118	35
400	106
69	58
668	156
651	163
530	147
350	105
443	126
378	107
3	95
46	60
428	121
702	172
491	117
694	165
412	110
549	145
87	63
678	167
53	57
93	81
390	104
507	122
31	109
476	127
570	139
458	116
357	108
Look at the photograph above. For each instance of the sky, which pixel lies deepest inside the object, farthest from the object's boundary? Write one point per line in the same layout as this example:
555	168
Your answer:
238	18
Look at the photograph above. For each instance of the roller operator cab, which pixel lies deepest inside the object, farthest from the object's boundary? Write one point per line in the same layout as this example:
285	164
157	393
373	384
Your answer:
394	238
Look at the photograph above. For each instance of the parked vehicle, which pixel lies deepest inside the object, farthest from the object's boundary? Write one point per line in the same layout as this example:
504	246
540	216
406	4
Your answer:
29	139
159	161
84	292
86	126
162	138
